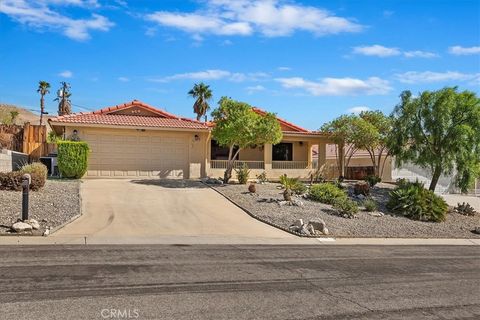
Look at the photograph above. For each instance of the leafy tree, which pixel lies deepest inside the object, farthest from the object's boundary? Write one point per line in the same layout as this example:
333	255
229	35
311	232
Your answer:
63	98
344	131
43	89
439	130
237	125
202	93
375	138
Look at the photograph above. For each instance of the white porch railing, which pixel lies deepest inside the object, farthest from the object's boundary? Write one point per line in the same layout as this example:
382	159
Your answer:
222	164
289	165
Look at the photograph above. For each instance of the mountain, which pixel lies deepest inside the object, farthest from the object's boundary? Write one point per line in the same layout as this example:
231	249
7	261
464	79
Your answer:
24	115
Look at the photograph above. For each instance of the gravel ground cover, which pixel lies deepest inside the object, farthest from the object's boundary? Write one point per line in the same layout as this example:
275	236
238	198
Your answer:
365	225
56	203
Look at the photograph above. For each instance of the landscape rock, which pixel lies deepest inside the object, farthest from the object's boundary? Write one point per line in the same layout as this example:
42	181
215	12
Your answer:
477	230
282	203
34	223
376	214
311	229
304	230
46	232
325	231
297	203
21	227
318	225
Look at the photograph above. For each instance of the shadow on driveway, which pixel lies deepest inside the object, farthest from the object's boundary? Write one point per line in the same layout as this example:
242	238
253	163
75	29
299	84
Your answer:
171	183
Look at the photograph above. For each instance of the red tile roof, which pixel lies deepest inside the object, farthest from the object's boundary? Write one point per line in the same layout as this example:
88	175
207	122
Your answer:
105	117
282	121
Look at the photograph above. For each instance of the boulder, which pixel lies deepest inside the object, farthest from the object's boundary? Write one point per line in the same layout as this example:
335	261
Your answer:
325	231
318	225
21	227
298	223
311	229
34	223
304	230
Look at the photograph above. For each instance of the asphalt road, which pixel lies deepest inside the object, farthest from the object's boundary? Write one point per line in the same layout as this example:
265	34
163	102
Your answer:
240	282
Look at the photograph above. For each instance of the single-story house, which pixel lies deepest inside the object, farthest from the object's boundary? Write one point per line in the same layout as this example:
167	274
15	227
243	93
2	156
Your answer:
135	139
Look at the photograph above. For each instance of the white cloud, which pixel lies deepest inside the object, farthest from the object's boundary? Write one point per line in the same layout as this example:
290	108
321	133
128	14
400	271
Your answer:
338	86
459	51
253	89
377	50
358	109
271	18
38	14
429	76
66	74
123	79
420	54
284	68
215	74
381	51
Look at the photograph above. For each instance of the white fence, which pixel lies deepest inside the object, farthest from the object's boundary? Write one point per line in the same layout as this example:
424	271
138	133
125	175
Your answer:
237	164
289	165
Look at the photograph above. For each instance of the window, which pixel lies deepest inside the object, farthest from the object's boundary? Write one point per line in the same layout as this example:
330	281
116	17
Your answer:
282	152
220	153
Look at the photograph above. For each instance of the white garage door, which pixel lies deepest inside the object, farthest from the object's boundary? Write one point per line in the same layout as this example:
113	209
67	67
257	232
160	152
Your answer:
131	153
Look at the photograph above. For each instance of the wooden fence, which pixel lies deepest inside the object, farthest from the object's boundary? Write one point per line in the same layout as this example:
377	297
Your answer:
29	139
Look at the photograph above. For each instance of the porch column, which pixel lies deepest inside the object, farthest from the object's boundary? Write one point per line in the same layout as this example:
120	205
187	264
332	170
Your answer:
322	154
267	156
309	155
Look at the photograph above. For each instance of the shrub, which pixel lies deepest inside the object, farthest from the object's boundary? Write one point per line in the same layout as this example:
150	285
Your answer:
242	174
73	158
11	180
38	171
293	184
412	200
326	193
370	205
465	208
361	188
262	177
348	208
372	180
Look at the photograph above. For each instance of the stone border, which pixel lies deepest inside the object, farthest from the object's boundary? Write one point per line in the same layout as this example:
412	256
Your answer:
75	217
251	214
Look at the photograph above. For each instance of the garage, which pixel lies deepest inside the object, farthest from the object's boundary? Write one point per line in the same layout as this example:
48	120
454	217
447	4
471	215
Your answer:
136	140
135	153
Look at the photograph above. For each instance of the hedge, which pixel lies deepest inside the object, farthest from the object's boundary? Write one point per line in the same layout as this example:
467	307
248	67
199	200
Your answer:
73	158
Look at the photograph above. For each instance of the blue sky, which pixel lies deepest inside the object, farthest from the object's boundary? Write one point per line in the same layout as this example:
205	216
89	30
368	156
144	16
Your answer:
308	61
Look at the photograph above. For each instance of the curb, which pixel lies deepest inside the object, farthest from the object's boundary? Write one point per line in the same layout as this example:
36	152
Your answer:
251	214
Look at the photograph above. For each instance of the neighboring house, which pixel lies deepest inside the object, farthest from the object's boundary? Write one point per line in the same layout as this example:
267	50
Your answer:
138	140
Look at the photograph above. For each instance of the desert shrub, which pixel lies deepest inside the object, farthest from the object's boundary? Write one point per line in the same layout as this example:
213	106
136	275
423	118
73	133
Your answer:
412	200
262	177
11	180
346	207
372	180
326	193
293	184
242	174
361	188
38	172
465	209
73	158
370	205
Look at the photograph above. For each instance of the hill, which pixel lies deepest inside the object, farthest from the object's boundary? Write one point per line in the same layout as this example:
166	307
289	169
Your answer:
24	115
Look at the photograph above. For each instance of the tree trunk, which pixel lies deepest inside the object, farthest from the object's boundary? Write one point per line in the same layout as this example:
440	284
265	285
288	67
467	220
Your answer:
341	149
41	109
231	160
436	175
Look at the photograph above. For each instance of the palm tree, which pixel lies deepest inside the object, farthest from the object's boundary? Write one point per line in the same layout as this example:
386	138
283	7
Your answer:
202	93
63	98
43	87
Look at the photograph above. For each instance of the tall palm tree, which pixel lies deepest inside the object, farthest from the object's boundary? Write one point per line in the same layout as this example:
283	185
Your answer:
43	87
202	93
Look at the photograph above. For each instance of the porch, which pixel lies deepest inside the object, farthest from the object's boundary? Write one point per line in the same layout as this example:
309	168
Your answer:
292	156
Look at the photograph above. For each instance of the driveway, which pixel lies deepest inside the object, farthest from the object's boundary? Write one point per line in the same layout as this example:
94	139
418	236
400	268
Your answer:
122	209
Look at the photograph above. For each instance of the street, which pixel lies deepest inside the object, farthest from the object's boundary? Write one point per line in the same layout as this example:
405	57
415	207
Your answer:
239	282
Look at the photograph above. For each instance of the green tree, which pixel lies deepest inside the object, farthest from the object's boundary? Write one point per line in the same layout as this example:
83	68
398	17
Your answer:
237	125
43	89
439	130
202	93
375	138
343	131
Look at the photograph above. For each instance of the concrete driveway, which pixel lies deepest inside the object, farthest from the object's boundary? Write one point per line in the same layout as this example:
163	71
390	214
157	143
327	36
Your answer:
124	211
